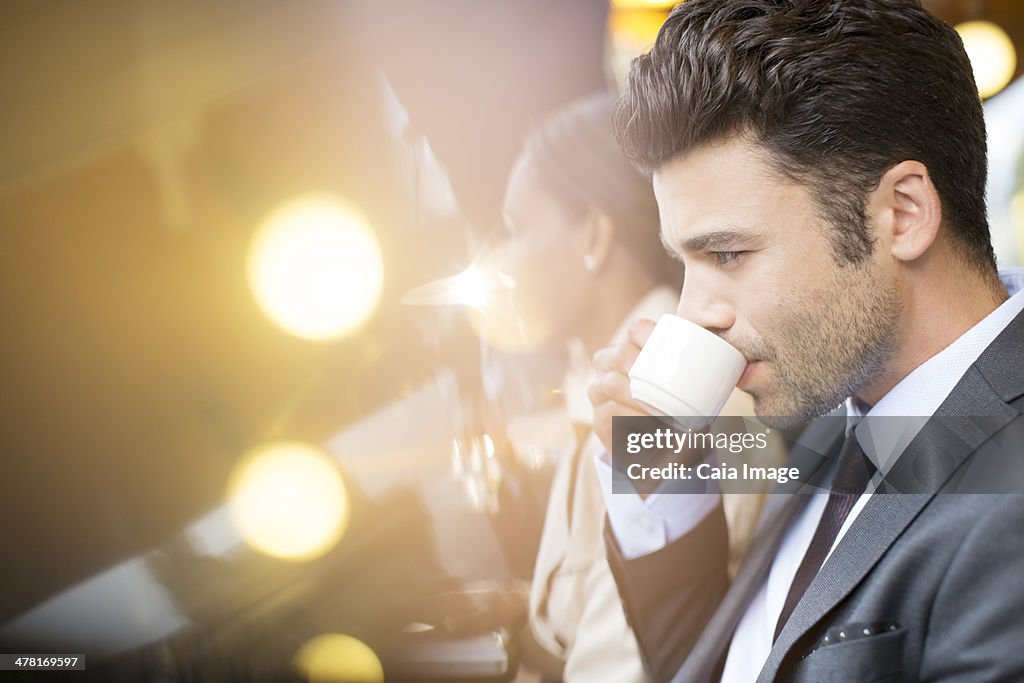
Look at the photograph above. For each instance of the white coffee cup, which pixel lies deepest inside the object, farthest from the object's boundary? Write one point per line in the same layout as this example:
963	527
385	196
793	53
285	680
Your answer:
684	370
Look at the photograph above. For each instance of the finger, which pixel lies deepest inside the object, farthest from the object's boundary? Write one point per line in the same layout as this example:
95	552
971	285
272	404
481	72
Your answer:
595	392
612	388
639	331
615	386
604	419
605	359
616	358
610	410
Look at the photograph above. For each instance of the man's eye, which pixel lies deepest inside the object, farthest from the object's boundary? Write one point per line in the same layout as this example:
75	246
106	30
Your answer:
725	258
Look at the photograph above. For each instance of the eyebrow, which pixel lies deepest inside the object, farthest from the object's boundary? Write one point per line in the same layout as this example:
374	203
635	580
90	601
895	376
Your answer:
716	240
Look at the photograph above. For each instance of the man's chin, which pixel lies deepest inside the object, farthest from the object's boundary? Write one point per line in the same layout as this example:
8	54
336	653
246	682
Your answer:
770	415
782	422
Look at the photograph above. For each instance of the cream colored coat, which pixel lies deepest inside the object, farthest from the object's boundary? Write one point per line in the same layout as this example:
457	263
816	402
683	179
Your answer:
575	611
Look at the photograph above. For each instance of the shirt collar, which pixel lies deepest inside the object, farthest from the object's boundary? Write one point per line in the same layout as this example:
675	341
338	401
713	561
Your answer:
918	395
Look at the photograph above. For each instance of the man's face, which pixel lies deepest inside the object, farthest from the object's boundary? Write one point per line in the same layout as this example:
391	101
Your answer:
761	273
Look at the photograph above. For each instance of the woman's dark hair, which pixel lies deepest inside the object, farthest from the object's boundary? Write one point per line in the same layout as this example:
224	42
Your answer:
577	159
835	92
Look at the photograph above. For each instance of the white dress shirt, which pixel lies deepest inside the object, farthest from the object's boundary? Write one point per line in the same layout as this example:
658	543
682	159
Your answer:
645	526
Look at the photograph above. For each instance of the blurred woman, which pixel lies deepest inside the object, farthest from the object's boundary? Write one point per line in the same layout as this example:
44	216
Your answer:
584	253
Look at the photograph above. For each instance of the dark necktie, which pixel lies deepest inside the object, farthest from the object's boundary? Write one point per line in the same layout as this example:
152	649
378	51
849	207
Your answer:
853	471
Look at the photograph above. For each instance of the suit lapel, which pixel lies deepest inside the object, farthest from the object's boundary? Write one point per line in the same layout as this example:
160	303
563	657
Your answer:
929	461
810	453
879	524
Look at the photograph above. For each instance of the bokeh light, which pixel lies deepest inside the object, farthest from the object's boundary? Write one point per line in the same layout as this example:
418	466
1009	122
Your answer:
992	55
1017	214
315	267
632	32
648	4
336	658
288	500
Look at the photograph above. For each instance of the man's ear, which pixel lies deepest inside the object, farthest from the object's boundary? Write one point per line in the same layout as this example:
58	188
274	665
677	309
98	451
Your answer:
598	239
907	210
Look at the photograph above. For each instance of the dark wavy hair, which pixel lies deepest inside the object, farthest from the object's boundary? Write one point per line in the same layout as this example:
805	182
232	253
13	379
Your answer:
835	92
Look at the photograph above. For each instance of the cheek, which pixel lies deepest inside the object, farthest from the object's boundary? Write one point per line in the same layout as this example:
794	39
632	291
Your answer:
538	268
552	259
541	276
766	307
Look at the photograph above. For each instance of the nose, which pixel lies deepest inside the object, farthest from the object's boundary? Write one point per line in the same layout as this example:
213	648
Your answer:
702	303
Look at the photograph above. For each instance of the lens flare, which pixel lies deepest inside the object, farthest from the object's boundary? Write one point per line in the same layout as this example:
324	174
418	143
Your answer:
992	55
478	286
336	658
315	267
497	314
288	500
472	287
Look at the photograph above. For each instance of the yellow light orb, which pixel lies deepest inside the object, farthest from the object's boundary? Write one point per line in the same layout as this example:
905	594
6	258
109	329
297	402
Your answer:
315	267
992	55
632	32
335	658
646	4
288	500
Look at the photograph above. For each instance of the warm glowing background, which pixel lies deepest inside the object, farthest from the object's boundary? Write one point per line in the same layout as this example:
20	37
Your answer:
211	212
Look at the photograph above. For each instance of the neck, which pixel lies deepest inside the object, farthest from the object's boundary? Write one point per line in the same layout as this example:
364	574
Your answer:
938	310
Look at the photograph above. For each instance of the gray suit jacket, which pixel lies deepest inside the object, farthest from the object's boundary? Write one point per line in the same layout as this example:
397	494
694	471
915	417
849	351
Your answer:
926	585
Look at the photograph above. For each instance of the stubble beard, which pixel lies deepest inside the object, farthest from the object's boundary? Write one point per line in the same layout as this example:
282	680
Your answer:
835	341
